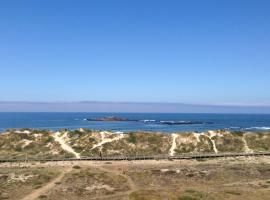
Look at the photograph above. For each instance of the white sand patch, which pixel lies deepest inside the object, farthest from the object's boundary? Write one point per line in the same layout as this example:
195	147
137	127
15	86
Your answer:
36	135
99	187
118	132
197	136
164	170
61	139
173	147
25	131
246	147
19	178
81	130
105	140
215	133
183	139
26	142
5	133
53	151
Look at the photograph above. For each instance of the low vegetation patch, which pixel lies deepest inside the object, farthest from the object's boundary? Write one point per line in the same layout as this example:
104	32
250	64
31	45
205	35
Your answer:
145	195
233	192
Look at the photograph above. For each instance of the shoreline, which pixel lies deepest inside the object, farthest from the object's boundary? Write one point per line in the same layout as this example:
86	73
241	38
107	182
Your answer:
26	130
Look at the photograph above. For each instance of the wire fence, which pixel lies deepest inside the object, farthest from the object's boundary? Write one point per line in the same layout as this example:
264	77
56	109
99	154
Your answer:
184	156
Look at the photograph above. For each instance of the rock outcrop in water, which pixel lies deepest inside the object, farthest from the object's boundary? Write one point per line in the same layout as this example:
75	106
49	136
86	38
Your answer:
169	122
183	122
84	142
109	119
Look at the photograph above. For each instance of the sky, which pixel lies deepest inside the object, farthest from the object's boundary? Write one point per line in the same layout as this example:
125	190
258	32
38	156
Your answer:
177	51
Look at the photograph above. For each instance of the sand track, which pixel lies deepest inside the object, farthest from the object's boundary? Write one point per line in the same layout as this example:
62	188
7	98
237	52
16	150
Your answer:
105	140
61	140
212	133
246	147
173	147
43	190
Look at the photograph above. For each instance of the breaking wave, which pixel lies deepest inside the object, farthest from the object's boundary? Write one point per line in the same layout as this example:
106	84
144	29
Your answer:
258	128
148	120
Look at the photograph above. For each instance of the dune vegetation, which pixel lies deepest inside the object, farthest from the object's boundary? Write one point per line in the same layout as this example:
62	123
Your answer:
26	143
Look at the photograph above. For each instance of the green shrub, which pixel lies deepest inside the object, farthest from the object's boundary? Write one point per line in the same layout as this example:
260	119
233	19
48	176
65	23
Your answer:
18	148
76	167
190	191
233	192
48	139
92	140
187	198
43	196
132	138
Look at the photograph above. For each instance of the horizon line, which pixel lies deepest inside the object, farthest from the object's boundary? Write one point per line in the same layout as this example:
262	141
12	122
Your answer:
137	102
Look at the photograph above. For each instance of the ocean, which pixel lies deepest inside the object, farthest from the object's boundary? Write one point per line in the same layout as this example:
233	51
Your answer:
146	121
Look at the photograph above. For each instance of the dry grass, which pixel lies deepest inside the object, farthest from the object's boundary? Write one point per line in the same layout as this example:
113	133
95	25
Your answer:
16	183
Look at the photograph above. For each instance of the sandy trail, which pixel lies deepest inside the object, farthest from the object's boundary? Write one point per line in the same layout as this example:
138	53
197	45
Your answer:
36	193
173	147
246	147
60	139
197	136
107	140
212	133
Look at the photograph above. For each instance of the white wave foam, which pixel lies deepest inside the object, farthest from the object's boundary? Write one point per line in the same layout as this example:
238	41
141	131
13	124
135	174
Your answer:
148	120
258	128
118	132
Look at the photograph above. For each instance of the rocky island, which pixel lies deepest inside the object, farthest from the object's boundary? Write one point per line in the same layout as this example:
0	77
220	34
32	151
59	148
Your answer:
110	119
168	122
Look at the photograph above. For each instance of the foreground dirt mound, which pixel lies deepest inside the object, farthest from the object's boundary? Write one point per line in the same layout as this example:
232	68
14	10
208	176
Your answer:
229	178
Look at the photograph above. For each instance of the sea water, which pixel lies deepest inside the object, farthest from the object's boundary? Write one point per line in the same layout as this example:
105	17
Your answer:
146	121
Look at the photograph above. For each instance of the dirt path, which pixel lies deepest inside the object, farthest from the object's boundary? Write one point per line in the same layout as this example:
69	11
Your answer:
246	147
36	193
173	147
61	140
105	140
212	133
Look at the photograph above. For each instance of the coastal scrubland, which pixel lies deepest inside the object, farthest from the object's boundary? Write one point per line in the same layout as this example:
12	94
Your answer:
230	178
17	182
26	143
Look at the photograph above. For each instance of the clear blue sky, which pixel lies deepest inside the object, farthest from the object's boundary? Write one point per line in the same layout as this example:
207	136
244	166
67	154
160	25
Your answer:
189	51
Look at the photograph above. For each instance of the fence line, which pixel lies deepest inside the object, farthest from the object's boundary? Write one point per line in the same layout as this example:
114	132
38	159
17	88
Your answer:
130	158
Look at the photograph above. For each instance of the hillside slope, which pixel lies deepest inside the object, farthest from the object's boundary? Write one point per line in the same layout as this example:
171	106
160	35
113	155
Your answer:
84	142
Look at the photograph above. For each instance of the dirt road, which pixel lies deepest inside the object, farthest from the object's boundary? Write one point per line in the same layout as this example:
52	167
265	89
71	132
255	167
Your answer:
36	193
